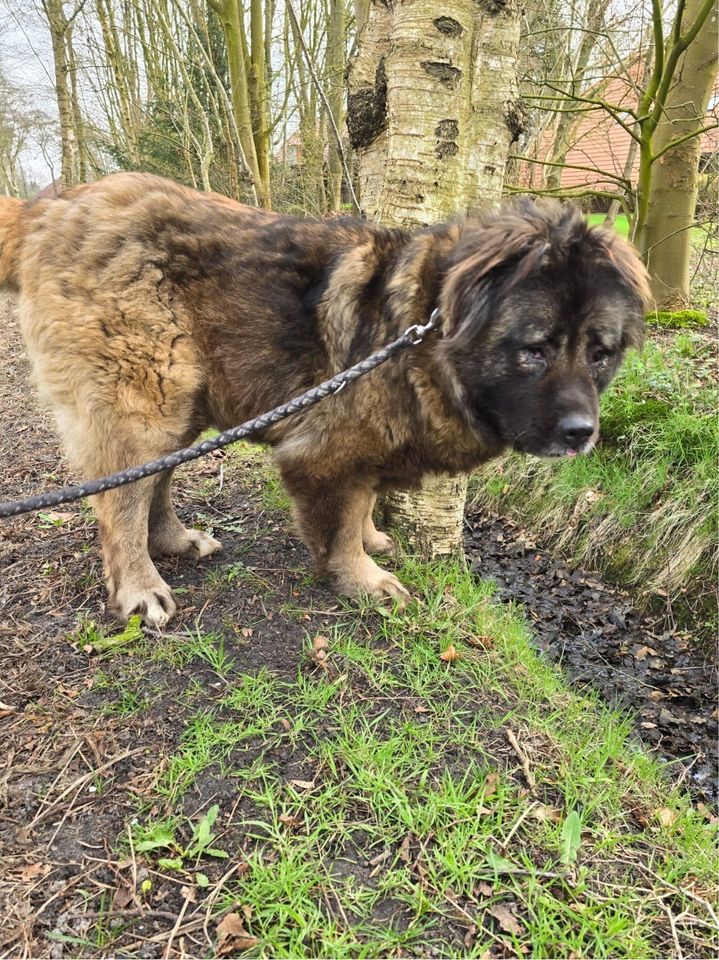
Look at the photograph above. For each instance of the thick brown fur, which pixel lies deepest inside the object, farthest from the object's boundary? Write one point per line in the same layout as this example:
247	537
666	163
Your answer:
151	312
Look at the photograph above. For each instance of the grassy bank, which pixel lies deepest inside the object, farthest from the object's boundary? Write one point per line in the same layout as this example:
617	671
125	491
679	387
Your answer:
644	504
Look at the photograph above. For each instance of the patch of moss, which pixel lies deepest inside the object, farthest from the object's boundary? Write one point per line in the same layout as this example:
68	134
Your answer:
677	319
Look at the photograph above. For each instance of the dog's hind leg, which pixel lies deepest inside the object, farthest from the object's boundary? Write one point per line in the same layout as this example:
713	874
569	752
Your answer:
331	517
167	535
373	539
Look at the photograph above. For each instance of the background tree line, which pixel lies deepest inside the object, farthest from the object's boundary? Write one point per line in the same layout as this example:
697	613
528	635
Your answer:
248	97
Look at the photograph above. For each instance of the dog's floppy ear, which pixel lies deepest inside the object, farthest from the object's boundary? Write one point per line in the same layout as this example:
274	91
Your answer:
491	258
623	257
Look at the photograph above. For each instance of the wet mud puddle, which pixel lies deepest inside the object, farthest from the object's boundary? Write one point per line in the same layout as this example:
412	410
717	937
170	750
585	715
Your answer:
593	629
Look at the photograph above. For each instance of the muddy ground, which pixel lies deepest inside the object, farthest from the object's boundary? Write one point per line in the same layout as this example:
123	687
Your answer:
57	834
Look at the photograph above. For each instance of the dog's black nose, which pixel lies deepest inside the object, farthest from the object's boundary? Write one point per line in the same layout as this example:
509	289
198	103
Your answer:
575	429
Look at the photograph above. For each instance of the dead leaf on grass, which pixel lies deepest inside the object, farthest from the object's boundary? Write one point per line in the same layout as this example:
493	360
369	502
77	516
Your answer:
450	654
506	919
34	871
289	820
484	643
550	814
483	889
404	854
232	936
665	816
490	785
303	784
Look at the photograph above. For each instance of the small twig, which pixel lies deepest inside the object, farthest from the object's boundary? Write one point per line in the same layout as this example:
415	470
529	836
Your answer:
528	775
178	923
141	912
520	820
213	896
81	781
665	908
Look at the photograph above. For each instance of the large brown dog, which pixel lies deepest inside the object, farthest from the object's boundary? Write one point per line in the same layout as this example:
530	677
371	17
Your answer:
151	312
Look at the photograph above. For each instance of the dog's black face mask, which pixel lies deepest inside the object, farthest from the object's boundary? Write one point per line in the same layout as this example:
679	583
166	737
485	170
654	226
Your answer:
536	326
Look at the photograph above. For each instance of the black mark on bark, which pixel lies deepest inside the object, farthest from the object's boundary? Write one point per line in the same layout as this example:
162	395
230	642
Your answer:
367	110
446	148
447	75
493	7
448	26
447	129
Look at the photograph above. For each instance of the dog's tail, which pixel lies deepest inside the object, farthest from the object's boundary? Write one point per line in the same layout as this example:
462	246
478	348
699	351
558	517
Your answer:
10	240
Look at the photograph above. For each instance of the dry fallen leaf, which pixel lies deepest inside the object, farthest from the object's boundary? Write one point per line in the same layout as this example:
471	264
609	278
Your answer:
483	889
289	820
490	784
450	654
34	871
124	895
506	919
665	816
303	784
551	814
320	643
485	643
232	936
404	848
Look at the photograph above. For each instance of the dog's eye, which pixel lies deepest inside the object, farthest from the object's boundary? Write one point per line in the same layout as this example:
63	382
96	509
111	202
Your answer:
535	355
600	356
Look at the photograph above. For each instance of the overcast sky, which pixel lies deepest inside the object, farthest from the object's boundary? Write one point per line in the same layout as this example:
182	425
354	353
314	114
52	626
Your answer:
26	60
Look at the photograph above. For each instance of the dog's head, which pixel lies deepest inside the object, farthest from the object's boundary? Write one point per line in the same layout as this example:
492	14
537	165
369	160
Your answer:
537	310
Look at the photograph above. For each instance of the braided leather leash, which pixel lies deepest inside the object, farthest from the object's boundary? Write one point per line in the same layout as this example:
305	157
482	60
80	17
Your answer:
410	338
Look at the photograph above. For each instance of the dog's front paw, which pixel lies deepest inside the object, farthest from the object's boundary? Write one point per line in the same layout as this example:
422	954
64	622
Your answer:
154	604
391	588
366	578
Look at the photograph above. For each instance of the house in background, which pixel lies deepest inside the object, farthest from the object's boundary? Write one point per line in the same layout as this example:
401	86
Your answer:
601	144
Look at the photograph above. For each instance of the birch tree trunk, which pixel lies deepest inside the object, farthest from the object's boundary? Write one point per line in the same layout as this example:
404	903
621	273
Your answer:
432	111
673	190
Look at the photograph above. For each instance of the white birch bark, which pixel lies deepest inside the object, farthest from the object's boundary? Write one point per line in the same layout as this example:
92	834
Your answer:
433	108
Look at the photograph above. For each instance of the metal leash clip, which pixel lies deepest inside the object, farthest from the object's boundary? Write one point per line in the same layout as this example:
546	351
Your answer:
419	331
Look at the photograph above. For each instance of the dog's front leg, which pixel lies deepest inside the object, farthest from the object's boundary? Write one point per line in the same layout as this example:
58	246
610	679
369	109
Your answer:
332	517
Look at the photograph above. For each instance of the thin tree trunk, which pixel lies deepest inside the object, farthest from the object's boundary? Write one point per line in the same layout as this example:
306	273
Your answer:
335	95
68	110
666	238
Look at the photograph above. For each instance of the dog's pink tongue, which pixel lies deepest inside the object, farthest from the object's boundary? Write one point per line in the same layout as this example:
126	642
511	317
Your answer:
571	453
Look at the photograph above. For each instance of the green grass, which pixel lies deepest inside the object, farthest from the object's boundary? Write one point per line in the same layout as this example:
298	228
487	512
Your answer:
644	503
702	236
621	224
405	811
